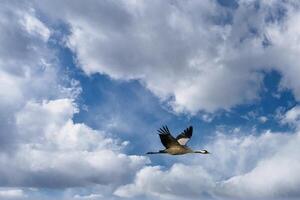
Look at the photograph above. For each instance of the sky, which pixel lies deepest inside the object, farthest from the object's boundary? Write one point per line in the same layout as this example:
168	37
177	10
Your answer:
84	86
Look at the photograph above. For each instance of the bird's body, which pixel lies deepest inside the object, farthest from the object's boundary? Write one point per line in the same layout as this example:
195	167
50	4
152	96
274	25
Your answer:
179	150
176	146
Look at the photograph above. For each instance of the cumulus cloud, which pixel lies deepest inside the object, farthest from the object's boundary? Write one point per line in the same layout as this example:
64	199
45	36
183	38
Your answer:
179	181
185	52
40	145
240	167
135	43
55	152
28	70
273	177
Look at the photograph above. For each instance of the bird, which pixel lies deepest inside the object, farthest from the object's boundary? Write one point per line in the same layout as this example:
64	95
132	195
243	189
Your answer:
176	146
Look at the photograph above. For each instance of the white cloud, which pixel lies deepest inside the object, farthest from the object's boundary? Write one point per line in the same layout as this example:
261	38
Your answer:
183	51
35	26
292	116
263	119
240	167
274	177
183	68
53	151
41	146
28	70
10	193
90	196
179	181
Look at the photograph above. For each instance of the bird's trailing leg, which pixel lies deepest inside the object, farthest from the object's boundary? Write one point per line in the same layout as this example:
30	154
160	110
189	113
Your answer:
157	152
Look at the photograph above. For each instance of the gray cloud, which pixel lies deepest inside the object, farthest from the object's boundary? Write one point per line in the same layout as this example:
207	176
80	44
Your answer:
20	55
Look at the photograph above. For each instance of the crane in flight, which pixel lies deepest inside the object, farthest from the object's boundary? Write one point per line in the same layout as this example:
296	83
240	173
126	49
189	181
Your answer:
176	146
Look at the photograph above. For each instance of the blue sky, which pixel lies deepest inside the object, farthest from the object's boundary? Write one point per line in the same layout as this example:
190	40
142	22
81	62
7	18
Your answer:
84	87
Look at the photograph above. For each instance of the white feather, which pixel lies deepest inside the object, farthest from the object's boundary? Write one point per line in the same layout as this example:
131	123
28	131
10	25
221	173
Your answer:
183	141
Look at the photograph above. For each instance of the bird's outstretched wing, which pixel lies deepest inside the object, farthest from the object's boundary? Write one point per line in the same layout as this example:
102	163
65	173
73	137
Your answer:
185	136
166	138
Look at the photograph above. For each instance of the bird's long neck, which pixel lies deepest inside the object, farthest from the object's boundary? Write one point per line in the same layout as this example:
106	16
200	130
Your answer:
200	151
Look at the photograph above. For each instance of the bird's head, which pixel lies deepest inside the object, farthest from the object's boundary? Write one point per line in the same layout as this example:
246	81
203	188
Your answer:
205	152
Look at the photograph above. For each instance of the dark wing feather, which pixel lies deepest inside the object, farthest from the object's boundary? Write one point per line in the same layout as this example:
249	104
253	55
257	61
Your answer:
185	136
166	138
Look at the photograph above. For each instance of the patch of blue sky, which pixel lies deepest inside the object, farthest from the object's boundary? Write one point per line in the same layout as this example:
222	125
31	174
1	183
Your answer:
262	114
228	3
